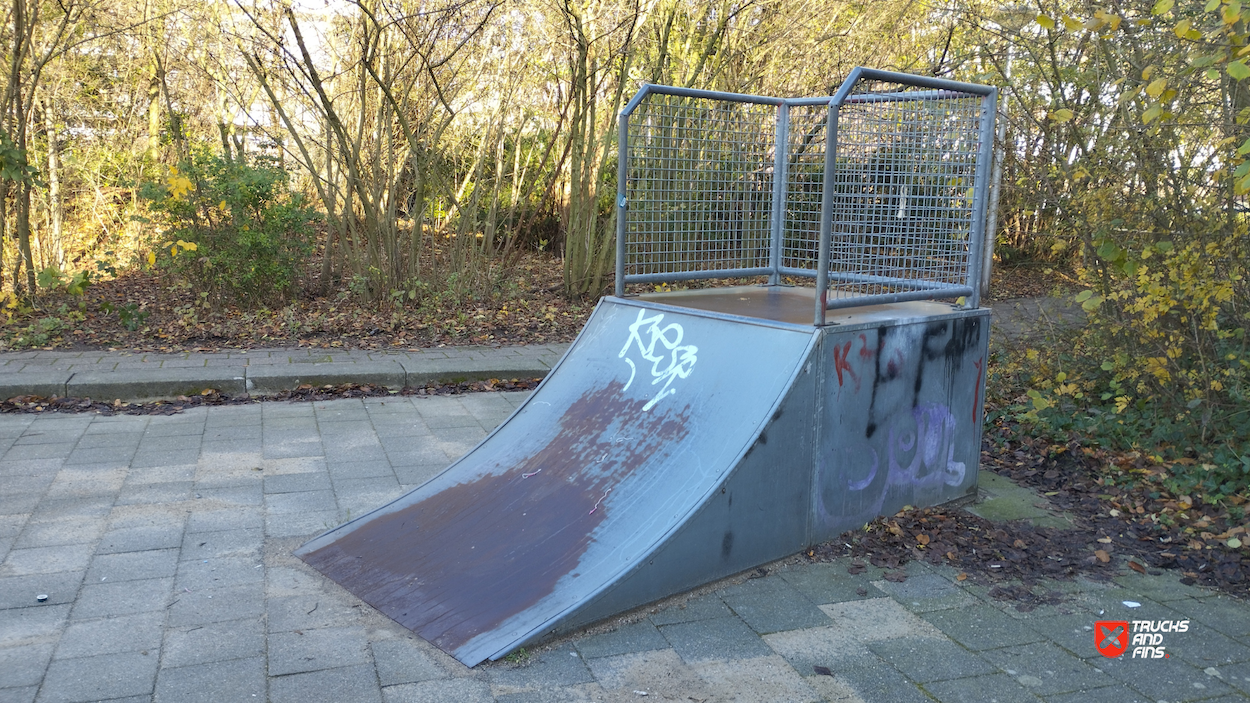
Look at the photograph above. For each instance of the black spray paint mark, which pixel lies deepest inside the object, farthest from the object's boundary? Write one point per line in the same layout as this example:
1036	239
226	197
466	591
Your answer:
876	381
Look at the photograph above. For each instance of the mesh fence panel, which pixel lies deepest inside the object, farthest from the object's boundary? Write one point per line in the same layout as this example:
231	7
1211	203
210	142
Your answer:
804	181
903	190
699	175
699	185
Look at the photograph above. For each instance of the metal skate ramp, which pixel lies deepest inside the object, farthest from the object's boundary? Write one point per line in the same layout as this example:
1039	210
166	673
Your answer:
669	448
633	431
692	434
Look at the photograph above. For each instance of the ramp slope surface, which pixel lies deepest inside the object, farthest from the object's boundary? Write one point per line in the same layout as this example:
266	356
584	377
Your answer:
641	423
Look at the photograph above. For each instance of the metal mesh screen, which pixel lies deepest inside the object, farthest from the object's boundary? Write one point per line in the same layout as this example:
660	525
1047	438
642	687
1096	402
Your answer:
704	192
804	182
699	186
904	177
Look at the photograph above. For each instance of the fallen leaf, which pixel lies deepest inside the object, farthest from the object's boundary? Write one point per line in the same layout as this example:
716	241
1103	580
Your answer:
1137	567
1234	543
1105	540
961	577
1102	556
1019	544
822	670
922	538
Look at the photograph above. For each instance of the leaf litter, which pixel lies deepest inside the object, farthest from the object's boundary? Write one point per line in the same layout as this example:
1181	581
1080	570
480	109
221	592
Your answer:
304	393
1113	527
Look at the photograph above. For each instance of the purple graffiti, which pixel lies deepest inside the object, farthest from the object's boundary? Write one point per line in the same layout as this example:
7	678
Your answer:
919	456
867	480
932	447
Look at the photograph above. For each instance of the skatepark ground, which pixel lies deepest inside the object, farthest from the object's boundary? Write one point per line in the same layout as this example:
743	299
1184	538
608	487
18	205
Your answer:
163	545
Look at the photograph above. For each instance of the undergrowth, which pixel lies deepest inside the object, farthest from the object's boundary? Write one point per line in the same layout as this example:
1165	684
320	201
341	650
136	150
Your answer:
1064	390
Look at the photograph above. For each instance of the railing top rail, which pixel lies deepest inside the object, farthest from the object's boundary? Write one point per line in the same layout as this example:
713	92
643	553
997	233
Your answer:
873	74
817	100
941	88
648	88
860	98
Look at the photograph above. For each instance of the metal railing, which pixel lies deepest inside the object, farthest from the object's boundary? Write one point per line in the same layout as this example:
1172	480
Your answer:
721	185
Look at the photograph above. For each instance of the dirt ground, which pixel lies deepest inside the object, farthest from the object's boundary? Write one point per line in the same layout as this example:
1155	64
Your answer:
141	311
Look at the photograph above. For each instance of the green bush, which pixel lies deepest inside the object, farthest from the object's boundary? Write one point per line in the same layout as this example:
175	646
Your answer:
1080	386
231	229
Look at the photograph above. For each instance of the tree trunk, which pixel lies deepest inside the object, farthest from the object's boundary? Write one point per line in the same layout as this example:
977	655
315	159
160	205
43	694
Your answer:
4	222
23	197
589	242
154	111
224	131
56	210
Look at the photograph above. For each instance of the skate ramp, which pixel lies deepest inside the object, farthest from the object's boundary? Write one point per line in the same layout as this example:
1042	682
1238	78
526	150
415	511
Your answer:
632	451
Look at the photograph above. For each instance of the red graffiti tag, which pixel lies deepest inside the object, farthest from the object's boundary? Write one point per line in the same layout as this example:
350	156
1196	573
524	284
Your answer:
866	352
976	395
840	363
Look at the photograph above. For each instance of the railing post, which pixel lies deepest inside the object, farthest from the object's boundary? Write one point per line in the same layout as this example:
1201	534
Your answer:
980	193
991	209
781	177
825	233
622	203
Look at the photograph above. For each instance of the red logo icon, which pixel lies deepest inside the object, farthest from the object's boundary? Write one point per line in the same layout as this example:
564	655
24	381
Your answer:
1111	637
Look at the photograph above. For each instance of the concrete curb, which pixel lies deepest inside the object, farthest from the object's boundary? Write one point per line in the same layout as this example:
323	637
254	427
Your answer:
431	370
41	384
141	384
144	384
285	377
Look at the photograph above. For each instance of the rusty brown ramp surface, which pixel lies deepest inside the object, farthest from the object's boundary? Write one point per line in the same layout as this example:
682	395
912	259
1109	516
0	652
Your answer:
641	422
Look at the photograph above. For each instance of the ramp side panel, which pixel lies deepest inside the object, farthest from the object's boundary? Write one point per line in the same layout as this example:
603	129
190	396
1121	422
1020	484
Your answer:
758	514
901	423
638	423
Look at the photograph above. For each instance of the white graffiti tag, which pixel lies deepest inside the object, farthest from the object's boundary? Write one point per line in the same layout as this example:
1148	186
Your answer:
680	359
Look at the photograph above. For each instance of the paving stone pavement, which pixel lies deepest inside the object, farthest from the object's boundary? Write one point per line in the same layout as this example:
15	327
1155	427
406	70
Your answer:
107	375
163	544
1021	321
